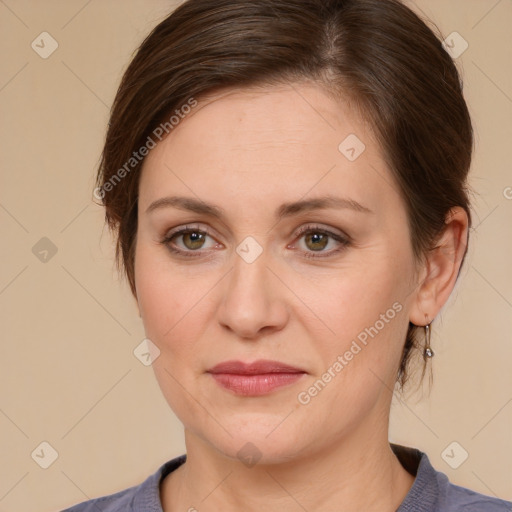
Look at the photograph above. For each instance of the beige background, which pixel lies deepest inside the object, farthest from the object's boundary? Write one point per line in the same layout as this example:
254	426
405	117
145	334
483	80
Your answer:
68	373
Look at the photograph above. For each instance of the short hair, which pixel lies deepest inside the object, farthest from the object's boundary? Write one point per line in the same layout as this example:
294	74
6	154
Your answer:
377	53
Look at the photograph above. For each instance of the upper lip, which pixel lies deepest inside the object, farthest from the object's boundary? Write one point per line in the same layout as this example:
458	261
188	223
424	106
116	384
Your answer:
259	367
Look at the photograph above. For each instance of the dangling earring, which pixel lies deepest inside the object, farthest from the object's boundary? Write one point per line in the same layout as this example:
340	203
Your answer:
427	352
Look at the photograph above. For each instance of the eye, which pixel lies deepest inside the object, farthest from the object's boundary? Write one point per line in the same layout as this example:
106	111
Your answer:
192	240
316	239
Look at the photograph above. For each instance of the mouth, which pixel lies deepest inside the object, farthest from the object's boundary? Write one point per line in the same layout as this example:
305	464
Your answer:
255	379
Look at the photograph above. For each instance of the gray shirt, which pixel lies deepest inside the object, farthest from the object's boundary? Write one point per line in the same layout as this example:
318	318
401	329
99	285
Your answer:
431	491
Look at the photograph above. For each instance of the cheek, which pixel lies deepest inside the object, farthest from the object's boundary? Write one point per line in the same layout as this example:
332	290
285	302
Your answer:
353	298
172	313
366	309
358	362
169	300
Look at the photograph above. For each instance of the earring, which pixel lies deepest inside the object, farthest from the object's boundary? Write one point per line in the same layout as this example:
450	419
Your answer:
427	352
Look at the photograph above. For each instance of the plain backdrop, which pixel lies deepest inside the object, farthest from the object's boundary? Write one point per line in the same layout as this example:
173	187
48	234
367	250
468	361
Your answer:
69	325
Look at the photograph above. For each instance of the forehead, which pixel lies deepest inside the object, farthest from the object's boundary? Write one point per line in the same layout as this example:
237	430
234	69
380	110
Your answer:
302	113
284	141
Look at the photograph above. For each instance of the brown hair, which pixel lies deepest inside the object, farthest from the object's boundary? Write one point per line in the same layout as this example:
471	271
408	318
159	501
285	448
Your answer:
378	52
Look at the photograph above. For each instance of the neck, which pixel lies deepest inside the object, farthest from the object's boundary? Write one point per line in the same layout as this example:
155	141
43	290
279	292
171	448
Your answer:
358	473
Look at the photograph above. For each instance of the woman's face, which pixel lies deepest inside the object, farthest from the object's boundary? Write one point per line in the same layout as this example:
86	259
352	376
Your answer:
251	284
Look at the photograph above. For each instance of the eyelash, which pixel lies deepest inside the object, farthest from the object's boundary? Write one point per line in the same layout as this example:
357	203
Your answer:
345	242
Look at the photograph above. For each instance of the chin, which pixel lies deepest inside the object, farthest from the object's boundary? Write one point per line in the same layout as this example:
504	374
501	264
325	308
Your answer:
258	440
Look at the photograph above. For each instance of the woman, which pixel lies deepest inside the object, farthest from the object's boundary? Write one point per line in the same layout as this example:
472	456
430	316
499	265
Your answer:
287	182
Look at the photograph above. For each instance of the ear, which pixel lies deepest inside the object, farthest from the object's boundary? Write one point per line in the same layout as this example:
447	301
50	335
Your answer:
440	269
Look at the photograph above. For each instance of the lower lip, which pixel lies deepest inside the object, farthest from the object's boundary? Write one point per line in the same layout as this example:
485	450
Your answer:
255	385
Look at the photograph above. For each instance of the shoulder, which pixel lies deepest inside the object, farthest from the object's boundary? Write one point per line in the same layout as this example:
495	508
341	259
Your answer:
433	492
144	497
112	503
454	498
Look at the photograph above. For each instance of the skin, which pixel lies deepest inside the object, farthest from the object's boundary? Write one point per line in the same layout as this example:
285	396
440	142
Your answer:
248	151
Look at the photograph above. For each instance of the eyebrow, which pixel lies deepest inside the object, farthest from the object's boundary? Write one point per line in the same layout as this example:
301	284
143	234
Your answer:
285	210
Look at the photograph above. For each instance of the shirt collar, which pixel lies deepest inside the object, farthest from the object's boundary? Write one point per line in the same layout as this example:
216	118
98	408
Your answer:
422	496
148	497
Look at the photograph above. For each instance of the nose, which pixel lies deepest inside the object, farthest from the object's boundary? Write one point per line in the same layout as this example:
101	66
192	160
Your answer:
253	299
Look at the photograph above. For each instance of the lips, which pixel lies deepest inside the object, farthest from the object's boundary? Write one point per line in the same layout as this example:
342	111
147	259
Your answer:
259	367
256	378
